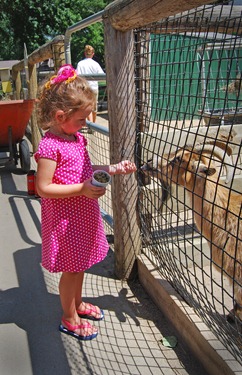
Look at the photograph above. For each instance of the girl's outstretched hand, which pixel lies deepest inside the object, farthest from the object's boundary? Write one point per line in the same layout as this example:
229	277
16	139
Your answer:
124	167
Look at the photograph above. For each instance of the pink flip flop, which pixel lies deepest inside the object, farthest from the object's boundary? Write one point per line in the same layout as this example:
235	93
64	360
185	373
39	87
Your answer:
87	314
69	329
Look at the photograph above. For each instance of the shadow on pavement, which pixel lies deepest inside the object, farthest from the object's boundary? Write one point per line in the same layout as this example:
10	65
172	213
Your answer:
130	336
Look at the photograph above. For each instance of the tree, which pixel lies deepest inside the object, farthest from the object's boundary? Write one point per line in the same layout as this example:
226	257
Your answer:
34	22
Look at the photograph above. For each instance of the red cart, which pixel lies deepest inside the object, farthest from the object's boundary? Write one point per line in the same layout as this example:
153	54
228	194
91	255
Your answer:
14	118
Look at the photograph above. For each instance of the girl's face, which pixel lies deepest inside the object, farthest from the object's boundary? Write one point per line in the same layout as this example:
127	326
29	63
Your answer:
72	124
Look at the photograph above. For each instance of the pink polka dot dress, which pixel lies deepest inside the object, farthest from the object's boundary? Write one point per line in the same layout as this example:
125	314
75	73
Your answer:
73	237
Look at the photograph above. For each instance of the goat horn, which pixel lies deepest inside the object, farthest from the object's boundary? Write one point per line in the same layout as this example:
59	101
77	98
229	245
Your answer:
222	145
223	156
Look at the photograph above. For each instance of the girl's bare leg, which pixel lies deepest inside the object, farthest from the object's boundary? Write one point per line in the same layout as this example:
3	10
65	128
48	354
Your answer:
68	290
80	305
79	284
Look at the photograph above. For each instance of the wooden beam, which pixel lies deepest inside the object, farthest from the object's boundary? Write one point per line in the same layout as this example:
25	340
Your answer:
129	14
224	19
43	53
122	129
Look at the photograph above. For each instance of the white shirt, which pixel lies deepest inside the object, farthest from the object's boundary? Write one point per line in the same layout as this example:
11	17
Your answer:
89	66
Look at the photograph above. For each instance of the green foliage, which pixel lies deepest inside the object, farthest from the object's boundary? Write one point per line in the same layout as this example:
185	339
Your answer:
34	22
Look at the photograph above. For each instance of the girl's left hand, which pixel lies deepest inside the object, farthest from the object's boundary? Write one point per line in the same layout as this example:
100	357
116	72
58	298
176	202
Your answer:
124	167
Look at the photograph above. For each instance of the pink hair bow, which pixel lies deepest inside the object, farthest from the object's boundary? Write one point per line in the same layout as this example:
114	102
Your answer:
66	73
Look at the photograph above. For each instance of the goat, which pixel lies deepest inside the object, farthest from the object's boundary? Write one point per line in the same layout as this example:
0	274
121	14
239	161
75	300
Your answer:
217	210
234	86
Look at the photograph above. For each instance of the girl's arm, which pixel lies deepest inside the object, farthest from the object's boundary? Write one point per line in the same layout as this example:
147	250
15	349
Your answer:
124	167
46	189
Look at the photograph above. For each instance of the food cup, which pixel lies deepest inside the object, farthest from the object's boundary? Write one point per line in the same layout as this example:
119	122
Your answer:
101	178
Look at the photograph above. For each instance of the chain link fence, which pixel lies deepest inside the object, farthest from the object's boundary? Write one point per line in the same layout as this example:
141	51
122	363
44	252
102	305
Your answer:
189	127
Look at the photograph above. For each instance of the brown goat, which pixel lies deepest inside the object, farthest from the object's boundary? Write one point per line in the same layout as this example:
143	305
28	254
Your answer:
217	210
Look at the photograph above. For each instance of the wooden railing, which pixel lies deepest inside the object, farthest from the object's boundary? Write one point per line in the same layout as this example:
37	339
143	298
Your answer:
51	50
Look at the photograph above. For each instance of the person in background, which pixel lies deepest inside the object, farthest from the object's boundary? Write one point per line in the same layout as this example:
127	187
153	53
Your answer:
73	237
90	66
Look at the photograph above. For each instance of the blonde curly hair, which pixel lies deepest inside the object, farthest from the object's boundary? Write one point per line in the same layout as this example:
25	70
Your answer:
69	98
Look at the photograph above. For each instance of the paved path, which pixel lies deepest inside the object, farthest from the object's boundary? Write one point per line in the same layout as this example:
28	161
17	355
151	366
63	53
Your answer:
129	340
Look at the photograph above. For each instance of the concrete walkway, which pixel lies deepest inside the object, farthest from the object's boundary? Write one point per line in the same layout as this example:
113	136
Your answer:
130	337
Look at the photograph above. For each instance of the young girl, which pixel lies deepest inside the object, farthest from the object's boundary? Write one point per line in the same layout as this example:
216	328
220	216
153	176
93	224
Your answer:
73	237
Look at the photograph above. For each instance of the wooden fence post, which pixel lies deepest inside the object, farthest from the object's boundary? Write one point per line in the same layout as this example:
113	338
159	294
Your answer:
16	75
58	54
32	89
122	129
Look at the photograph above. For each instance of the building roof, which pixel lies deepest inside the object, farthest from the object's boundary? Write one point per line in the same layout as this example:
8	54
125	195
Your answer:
7	63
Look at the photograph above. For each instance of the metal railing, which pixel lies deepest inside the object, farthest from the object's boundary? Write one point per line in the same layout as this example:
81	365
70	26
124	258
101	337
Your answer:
98	148
76	27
